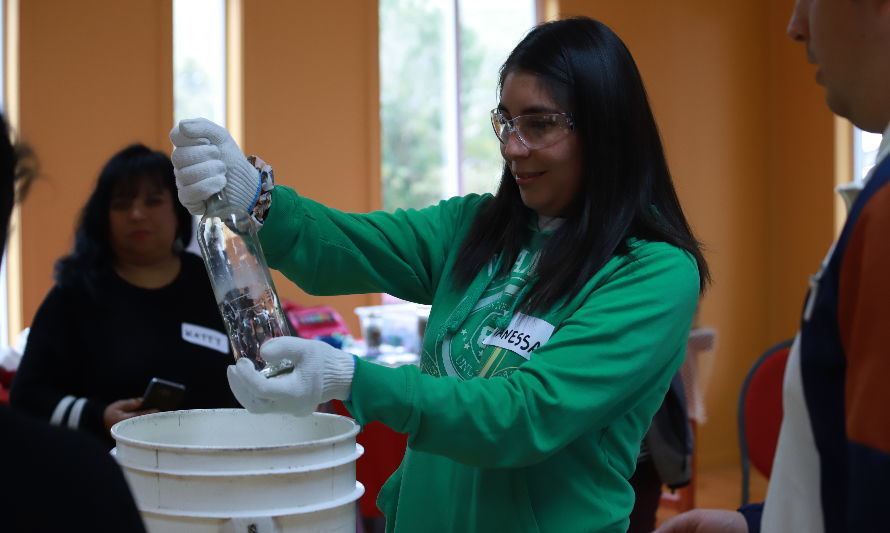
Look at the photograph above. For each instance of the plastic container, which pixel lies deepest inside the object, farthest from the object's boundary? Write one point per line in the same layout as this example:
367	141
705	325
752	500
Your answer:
389	328
423	316
227	470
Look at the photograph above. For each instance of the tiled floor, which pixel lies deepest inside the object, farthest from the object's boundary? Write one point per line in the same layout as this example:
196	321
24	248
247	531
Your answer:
720	488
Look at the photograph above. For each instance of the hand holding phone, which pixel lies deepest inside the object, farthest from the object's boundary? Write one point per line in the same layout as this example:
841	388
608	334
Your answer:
162	395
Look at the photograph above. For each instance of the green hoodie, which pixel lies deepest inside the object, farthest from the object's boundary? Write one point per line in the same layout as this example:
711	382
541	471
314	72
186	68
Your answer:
547	444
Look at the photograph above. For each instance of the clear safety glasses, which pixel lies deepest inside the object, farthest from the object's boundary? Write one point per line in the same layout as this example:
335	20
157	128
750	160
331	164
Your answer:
538	130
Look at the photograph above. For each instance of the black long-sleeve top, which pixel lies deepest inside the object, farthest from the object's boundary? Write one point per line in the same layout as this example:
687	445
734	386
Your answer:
85	352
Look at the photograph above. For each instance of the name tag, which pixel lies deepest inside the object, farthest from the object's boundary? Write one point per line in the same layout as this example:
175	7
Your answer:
523	335
206	337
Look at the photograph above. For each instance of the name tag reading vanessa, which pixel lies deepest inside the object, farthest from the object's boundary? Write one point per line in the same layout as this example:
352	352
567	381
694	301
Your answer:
206	337
523	336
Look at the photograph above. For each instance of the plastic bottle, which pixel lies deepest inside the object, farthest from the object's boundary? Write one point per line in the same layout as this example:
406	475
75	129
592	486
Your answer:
241	282
373	333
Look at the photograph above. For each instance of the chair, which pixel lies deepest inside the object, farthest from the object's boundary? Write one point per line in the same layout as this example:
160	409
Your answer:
5	384
760	413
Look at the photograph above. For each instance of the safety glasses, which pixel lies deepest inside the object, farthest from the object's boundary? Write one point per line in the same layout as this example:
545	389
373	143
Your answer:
538	130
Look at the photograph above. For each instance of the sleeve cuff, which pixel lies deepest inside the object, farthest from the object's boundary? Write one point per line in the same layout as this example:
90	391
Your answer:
383	394
348	399
263	196
752	513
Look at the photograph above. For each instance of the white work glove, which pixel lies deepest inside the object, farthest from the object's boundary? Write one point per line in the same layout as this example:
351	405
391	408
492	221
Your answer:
206	160
321	373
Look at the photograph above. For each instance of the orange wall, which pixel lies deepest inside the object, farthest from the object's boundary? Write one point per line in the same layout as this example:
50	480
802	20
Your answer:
750	143
95	75
801	204
311	109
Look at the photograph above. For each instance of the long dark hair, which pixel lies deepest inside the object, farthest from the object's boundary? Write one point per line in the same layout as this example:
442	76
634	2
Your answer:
18	169
92	257
626	186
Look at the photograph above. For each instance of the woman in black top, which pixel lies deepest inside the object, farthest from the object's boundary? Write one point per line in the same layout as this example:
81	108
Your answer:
50	464
128	305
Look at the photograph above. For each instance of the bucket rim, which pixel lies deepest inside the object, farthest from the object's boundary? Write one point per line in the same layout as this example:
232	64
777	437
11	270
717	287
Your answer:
356	493
139	443
164	472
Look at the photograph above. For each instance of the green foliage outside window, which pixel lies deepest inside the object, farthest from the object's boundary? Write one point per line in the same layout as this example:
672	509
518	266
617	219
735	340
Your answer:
412	96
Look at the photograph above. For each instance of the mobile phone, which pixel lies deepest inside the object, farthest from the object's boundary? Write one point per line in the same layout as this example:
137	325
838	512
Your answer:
162	395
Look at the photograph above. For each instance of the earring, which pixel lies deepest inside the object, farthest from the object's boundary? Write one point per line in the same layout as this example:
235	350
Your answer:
178	246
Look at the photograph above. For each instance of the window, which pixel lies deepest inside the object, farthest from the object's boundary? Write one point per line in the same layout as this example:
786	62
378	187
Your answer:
199	64
439	62
199	59
865	150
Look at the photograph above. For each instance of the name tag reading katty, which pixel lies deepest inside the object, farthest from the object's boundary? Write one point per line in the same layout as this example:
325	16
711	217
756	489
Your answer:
206	337
523	335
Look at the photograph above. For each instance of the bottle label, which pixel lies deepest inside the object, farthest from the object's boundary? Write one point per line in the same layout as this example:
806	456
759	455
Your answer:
206	337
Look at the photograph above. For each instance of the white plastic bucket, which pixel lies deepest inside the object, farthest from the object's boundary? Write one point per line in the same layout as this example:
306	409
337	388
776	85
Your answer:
227	470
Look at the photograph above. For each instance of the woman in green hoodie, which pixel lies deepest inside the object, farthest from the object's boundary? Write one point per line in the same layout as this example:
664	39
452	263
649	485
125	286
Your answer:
560	305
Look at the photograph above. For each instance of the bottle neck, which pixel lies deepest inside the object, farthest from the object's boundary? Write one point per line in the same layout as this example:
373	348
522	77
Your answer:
216	201
217	204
